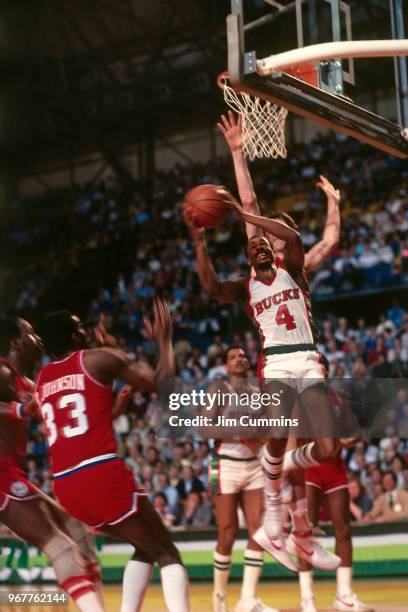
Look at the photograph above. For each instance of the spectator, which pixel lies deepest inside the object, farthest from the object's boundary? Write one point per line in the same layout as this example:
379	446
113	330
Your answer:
216	349
392	504
360	503
197	513
171	493
163	509
189	483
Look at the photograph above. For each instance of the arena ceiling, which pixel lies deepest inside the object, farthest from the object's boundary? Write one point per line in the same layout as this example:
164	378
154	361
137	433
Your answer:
103	73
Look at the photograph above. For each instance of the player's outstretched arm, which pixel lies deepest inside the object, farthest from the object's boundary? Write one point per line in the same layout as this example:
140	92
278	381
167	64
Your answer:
160	329
224	291
106	364
231	128
331	234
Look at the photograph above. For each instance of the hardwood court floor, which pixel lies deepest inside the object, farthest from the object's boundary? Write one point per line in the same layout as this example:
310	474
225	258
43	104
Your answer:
383	595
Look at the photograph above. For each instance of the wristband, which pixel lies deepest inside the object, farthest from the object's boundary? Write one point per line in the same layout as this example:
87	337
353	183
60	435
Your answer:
17	410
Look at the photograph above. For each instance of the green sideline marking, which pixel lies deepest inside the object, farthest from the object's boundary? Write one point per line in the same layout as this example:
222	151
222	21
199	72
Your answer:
390	552
386	552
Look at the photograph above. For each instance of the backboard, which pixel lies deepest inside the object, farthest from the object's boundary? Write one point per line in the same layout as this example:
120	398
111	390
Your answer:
323	100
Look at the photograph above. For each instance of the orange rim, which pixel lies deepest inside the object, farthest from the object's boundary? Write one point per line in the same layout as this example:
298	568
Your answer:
223	76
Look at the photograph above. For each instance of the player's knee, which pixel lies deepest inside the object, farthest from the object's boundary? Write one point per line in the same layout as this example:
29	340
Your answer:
81	537
226	538
140	555
168	556
64	557
342	531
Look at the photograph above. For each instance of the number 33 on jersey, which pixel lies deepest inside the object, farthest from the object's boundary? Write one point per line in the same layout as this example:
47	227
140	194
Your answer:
280	310
77	412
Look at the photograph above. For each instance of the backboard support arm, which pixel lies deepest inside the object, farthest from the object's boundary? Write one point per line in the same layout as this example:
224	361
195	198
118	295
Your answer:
400	63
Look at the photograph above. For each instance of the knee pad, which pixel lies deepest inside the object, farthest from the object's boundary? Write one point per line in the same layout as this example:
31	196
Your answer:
82	538
64	557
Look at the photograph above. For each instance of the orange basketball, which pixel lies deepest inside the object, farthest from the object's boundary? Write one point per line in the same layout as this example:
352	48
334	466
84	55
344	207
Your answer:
209	204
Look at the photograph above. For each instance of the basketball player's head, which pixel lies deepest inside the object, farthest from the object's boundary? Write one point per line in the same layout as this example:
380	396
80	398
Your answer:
236	361
260	253
63	332
18	336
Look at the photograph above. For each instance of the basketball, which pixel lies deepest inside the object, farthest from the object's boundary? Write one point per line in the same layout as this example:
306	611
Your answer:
209	204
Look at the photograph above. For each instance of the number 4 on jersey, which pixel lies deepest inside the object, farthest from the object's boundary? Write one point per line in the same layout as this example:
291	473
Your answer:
283	317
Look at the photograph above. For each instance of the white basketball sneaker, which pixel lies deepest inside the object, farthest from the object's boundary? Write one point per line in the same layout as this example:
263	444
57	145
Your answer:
308	548
276	548
253	605
219	602
308	604
351	603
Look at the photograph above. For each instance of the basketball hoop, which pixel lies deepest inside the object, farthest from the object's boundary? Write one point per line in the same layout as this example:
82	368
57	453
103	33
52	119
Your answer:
263	123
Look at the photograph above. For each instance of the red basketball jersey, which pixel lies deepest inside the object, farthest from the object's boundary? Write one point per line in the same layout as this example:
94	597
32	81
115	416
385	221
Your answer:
13	430
77	411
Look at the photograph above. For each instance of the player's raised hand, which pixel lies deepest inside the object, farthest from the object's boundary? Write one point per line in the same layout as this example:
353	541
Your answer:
329	190
160	328
102	337
231	128
122	400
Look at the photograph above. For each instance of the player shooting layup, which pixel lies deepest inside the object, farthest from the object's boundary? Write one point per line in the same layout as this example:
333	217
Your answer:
277	299
328	479
91	482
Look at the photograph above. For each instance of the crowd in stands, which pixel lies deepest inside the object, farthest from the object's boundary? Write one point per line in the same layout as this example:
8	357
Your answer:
112	249
125	243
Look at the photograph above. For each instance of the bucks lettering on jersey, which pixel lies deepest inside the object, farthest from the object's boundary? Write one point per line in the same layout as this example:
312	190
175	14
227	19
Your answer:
281	311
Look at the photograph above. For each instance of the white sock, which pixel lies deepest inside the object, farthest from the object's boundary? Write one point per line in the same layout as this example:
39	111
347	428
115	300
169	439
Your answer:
299	458
222	567
253	564
175	587
136	578
306	584
99	593
300	518
273	518
89	602
344	578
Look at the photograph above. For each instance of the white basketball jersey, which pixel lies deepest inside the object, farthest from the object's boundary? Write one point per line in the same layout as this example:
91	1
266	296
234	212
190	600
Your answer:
281	311
233	447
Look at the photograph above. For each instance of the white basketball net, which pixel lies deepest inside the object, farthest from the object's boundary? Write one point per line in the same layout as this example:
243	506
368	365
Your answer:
263	123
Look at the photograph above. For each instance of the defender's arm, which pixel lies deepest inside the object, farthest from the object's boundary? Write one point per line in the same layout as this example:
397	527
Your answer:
231	129
331	234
